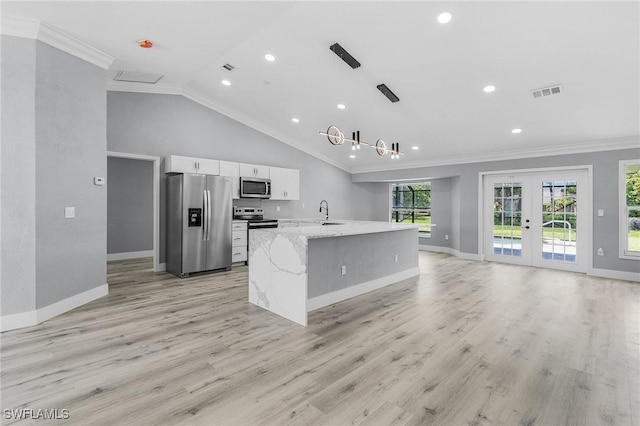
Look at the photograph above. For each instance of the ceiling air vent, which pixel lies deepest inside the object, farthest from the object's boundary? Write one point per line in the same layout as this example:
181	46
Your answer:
387	92
228	67
547	91
344	55
137	77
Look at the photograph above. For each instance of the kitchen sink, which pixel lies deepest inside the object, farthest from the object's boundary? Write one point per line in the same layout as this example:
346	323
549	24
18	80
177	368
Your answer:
332	223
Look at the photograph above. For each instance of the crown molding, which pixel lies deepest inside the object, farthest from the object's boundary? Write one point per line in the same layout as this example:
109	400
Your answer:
579	148
19	27
211	104
41	31
158	88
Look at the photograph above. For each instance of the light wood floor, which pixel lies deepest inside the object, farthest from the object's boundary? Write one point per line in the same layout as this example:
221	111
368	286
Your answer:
465	343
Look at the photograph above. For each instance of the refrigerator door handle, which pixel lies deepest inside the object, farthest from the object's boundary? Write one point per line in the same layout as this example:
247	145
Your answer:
205	222
208	215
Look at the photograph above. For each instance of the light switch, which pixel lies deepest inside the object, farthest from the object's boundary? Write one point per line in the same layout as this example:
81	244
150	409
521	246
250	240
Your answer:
600	212
69	212
344	270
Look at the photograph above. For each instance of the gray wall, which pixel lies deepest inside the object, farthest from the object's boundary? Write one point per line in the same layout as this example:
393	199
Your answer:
440	213
18	176
367	257
161	125
464	194
53	144
129	205
371	194
70	151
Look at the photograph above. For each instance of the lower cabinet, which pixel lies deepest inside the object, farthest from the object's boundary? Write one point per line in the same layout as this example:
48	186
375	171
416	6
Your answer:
239	241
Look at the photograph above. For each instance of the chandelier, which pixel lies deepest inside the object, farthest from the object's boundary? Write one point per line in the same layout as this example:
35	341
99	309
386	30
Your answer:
336	137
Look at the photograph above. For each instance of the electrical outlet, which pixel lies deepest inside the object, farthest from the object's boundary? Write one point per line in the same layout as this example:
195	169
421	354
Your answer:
69	212
446	236
277	208
600	251
600	212
395	258
344	269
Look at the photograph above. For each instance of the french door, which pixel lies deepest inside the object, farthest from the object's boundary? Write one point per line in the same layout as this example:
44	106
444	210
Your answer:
537	219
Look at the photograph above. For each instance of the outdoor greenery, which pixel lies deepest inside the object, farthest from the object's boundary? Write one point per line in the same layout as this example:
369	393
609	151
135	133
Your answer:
633	212
411	203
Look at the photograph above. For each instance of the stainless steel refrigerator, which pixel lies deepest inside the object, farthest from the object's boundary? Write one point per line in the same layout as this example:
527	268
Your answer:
199	213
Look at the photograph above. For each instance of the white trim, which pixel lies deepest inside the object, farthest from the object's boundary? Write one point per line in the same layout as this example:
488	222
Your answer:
616	275
54	37
156	200
362	288
622	211
129	255
162	267
26	319
547	151
451	251
158	88
16	26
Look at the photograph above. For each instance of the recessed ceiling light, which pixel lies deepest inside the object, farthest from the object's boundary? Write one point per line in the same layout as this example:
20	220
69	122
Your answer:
516	131
341	106
415	148
295	120
269	57
226	82
352	156
489	88
444	17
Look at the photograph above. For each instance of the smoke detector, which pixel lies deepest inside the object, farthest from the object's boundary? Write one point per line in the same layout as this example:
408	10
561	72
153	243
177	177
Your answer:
547	91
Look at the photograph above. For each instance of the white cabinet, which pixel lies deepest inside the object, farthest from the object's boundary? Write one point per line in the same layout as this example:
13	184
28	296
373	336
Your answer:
179	164
229	168
285	184
254	170
239	241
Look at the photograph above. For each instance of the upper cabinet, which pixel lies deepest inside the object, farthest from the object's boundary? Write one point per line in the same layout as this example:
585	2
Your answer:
253	170
285	184
179	164
229	168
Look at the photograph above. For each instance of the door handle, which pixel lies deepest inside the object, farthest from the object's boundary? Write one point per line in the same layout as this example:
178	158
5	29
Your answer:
526	227
206	222
208	215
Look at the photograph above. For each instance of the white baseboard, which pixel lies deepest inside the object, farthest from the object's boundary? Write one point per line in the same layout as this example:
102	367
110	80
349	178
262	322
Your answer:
616	275
356	290
129	255
26	319
162	267
453	252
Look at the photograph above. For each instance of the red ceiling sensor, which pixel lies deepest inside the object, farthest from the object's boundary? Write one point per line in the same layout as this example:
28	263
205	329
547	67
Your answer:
145	44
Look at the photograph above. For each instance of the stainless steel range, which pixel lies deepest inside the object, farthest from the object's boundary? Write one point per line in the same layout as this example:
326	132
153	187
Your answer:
254	217
255	220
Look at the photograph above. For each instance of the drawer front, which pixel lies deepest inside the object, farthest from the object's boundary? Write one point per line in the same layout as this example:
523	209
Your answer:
239	238
239	254
239	226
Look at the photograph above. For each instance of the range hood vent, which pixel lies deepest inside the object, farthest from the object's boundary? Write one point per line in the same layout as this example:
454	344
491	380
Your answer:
344	55
137	77
547	91
388	93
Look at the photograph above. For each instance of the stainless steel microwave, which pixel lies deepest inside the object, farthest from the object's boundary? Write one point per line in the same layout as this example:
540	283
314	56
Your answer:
255	188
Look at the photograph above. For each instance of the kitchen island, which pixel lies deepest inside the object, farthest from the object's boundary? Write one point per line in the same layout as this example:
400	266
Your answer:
307	265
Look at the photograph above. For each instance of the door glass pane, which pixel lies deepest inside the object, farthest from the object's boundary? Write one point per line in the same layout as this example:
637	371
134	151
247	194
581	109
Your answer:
559	220
507	213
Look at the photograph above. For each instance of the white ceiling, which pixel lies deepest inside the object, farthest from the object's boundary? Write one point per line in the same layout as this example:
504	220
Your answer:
438	71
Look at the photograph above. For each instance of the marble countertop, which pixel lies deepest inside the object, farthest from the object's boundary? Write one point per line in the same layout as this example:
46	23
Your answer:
347	227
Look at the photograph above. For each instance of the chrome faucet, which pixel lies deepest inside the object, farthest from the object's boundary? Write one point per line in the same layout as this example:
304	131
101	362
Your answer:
326	209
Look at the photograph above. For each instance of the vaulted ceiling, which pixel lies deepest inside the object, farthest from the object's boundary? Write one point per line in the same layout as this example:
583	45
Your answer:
438	71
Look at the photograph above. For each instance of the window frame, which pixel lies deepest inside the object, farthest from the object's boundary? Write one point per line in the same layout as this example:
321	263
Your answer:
421	234
623	238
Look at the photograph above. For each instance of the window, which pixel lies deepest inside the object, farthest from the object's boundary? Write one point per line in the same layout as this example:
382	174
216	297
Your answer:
411	203
630	209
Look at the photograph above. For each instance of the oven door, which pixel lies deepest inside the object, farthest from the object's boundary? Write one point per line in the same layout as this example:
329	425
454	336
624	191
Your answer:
255	188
